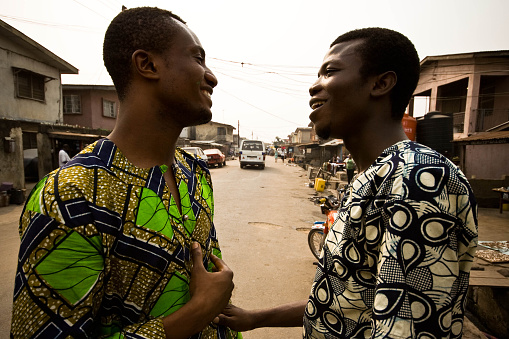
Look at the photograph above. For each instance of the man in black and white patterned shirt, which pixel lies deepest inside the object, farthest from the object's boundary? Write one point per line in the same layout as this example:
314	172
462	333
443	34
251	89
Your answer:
396	262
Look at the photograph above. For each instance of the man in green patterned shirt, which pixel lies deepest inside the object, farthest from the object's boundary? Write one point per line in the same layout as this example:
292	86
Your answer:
120	242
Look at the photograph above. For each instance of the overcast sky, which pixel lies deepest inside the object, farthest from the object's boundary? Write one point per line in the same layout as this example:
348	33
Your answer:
265	53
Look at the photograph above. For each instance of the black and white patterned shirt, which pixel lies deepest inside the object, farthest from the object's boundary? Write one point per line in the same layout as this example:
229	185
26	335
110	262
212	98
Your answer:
396	262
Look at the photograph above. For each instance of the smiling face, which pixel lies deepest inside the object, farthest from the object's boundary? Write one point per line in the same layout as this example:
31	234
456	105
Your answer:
186	83
340	96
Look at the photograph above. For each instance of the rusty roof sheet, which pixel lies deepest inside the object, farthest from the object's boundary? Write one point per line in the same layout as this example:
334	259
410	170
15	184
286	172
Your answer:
486	136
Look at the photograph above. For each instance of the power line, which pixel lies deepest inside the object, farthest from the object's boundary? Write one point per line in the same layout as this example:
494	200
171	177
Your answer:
258	108
49	24
90	9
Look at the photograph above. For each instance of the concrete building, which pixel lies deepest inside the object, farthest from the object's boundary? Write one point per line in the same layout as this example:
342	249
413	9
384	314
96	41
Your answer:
30	97
471	92
92	106
210	135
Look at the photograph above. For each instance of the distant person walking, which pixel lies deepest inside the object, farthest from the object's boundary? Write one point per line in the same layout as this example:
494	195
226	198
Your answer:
63	155
350	167
275	155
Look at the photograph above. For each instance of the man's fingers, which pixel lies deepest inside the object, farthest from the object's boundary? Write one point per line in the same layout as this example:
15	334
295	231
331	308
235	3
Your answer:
197	255
218	263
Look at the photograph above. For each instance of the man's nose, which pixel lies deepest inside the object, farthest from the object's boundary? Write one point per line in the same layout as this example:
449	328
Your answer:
210	78
315	88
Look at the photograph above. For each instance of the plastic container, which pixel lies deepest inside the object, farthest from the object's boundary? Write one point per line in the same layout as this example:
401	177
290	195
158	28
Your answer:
17	196
409	125
319	184
4	199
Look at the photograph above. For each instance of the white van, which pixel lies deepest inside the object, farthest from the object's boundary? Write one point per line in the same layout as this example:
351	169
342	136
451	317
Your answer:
252	153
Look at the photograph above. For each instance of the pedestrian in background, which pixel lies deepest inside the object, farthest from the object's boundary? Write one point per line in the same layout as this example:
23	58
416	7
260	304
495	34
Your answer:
120	243
275	155
63	155
396	262
350	168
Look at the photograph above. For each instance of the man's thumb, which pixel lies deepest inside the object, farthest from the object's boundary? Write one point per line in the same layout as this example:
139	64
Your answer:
196	255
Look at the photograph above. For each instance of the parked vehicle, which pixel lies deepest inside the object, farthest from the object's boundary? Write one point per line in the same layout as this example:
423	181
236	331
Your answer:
252	153
319	230
197	151
215	157
30	163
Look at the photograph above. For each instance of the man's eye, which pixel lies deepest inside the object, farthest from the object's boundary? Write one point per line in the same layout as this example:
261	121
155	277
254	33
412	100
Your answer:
200	59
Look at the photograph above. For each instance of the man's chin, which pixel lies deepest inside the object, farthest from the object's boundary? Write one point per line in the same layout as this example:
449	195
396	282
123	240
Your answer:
204	117
323	133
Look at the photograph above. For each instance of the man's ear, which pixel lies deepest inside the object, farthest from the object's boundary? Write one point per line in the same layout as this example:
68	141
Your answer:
384	83
144	64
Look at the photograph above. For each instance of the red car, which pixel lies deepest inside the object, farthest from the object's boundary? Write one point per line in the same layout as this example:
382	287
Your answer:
215	157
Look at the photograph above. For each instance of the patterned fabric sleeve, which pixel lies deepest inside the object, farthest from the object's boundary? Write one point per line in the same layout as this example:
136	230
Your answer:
425	255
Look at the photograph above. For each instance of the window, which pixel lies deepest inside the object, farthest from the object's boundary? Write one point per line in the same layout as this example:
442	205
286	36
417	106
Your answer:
72	104
29	85
221	131
252	146
109	109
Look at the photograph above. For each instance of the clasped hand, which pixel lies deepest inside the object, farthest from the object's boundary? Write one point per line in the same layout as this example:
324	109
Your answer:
211	290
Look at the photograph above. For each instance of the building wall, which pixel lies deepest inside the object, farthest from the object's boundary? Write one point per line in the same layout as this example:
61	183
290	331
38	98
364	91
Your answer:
11	164
208	131
92	108
442	72
98	119
26	109
303	136
85	117
486	161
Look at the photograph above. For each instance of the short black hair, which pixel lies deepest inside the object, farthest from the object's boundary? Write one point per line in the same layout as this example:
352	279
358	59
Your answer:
386	50
148	28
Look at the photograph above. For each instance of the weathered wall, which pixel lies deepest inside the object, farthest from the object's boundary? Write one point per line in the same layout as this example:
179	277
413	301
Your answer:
489	304
98	119
92	108
208	131
19	108
44	152
490	161
11	164
483	191
85	117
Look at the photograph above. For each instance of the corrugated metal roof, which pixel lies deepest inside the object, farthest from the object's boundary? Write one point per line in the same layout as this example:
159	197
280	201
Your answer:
333	142
494	137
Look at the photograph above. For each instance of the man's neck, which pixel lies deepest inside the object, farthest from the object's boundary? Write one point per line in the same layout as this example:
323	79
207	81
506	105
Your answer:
367	145
143	140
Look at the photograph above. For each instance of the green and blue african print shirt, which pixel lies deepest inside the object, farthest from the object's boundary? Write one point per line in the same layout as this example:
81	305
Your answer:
105	250
397	260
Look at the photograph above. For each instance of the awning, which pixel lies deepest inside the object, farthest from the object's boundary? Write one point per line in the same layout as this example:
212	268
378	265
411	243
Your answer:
309	144
75	136
205	142
333	142
500	137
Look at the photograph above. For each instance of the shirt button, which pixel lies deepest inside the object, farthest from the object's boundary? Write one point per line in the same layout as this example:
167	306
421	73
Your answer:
185	217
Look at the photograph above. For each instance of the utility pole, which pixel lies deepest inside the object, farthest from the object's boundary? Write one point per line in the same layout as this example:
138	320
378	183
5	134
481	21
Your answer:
238	133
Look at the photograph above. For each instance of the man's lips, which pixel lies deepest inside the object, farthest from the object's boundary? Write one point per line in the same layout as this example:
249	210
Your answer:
207	93
316	103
